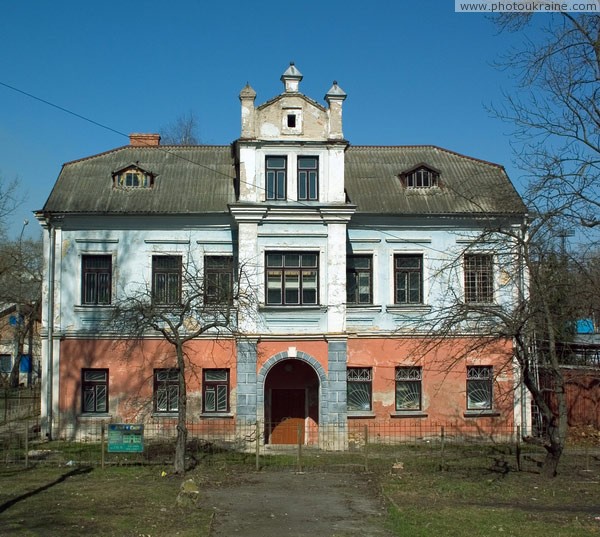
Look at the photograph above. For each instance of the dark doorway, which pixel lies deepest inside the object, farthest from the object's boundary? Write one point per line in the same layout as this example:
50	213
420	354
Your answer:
288	412
292	403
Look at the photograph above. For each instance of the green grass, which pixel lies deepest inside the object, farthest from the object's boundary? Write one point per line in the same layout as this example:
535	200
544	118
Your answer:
120	501
470	491
473	496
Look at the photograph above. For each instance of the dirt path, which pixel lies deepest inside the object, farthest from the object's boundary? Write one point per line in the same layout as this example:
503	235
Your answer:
277	504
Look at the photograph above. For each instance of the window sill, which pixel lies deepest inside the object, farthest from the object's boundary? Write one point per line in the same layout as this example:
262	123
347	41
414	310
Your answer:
294	307
88	307
364	307
366	415
411	308
408	414
481	413
217	415
168	415
94	416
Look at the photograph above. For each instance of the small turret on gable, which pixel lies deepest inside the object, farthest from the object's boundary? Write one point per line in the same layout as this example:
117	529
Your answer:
291	79
247	97
292	116
335	97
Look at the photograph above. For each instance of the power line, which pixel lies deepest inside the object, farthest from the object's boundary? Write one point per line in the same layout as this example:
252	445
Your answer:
62	109
176	154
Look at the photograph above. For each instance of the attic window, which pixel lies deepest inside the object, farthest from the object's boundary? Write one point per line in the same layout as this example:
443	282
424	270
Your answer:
421	177
133	178
291	121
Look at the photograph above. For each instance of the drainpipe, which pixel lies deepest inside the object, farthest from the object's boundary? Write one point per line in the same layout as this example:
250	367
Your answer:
50	314
524	398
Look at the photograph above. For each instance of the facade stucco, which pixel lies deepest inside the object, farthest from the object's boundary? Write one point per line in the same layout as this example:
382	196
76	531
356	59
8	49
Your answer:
323	338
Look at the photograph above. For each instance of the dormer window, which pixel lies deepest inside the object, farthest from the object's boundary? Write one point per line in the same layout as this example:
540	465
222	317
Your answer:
133	177
421	177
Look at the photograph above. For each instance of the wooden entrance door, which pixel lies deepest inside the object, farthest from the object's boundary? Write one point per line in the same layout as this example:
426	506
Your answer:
288	413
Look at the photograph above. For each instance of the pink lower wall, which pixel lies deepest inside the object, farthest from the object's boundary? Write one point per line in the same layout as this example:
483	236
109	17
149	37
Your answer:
131	371
444	373
443	385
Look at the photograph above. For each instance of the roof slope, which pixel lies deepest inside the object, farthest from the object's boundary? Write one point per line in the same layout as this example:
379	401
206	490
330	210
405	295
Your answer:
194	179
467	185
200	179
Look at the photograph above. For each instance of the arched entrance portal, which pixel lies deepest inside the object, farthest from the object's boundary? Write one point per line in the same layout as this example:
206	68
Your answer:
291	403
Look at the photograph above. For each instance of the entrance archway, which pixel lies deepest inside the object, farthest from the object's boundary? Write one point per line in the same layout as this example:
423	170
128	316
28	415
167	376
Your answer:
291	403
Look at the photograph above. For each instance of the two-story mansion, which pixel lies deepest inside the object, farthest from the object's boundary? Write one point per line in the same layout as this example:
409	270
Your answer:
346	257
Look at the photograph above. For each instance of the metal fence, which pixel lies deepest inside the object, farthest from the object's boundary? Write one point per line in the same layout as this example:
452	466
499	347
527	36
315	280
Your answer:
19	403
225	442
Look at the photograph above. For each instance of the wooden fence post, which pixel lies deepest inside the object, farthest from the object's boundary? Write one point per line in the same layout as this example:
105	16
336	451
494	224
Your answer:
518	448
299	448
257	445
102	446
26	443
366	434
443	440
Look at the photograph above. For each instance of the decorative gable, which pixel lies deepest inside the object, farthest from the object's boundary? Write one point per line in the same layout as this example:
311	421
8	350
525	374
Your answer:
132	177
421	176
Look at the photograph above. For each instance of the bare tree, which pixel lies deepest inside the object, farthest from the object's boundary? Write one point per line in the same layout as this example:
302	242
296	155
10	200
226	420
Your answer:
556	114
21	290
512	302
183	131
10	199
180	311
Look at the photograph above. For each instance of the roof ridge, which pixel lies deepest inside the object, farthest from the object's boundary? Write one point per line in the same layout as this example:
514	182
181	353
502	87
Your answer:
432	146
166	148
90	157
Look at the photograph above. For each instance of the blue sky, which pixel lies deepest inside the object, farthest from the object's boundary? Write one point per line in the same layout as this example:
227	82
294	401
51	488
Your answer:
415	73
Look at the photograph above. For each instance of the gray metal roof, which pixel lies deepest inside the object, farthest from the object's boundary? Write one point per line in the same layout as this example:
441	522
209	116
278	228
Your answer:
467	185
194	179
200	179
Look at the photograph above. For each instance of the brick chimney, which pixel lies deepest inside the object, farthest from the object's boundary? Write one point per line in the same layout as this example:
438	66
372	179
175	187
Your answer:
137	139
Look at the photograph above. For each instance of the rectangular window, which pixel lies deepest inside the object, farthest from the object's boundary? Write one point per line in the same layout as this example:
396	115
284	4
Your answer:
479	278
215	390
308	178
276	175
94	391
292	278
166	279
5	363
166	390
360	389
218	279
479	387
408	388
408	277
96	279
359	279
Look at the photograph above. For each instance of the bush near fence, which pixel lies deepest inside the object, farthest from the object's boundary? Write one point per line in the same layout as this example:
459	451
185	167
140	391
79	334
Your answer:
223	442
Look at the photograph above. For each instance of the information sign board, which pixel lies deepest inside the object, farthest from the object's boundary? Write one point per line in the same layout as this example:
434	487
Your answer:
123	437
